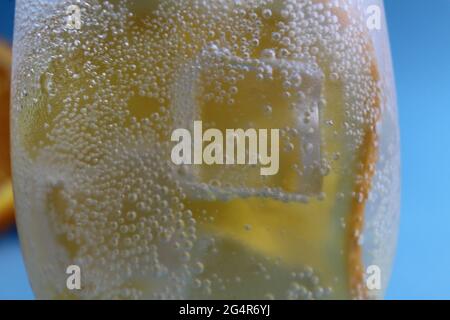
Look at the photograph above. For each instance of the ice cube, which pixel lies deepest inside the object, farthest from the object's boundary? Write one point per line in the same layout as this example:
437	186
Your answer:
229	92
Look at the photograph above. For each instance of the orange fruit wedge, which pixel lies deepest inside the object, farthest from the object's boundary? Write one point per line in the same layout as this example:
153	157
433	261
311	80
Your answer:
6	194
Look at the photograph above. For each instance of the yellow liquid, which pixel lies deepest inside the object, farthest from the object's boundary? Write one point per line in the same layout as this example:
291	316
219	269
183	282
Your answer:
94	184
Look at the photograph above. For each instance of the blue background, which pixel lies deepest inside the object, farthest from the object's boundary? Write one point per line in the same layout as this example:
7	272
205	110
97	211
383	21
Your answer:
420	39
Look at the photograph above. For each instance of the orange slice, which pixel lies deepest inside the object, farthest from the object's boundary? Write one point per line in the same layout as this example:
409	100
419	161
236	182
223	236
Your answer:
6	196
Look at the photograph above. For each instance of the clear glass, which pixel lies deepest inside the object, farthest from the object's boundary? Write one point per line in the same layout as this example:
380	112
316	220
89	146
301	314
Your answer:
100	87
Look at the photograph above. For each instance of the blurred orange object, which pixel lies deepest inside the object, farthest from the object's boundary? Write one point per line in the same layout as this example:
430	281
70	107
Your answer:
6	195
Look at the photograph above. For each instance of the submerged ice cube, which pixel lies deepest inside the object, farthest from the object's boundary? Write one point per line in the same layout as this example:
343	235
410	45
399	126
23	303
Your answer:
227	92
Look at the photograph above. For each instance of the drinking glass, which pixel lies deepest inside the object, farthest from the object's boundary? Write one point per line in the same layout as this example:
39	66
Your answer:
192	149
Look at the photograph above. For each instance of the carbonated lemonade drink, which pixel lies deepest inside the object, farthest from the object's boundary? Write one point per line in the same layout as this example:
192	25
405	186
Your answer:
205	149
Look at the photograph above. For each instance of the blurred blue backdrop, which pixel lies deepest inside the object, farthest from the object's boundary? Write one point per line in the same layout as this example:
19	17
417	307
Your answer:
420	33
